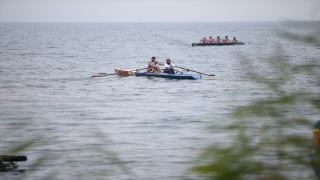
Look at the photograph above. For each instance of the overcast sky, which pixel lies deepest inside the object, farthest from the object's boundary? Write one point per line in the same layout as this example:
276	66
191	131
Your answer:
157	10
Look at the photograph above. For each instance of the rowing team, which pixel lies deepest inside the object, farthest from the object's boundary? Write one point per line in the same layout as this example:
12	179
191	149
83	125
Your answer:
218	40
152	66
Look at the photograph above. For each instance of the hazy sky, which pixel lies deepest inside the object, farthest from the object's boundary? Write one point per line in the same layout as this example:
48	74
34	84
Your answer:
157	10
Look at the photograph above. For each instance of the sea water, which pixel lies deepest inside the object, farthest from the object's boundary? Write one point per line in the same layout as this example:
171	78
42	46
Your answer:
155	127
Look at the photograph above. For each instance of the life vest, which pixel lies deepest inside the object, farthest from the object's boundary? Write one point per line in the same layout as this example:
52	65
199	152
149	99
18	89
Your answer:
218	40
210	40
203	40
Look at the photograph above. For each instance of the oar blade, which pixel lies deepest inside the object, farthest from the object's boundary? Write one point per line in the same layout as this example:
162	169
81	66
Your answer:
102	75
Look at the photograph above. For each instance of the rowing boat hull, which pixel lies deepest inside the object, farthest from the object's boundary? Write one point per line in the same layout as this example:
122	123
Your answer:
217	44
170	76
124	72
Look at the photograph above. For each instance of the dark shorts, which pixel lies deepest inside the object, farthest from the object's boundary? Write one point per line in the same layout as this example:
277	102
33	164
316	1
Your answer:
169	71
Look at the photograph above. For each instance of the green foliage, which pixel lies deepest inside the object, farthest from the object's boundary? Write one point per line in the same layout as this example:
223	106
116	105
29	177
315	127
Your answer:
272	138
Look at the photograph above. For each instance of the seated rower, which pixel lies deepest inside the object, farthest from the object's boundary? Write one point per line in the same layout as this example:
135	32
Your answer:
152	65
218	39
211	40
234	40
225	40
169	67
203	40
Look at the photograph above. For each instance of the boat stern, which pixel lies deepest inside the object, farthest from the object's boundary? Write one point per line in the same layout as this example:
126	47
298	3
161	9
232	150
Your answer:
124	72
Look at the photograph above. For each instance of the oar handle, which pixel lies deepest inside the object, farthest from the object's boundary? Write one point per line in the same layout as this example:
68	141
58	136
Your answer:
137	69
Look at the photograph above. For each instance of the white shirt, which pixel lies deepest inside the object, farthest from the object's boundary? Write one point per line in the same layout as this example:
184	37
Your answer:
166	65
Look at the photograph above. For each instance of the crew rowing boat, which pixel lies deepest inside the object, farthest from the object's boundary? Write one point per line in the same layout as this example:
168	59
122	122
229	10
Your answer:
170	76
137	72
218	44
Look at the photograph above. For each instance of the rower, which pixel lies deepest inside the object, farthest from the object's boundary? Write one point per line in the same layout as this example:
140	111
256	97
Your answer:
211	40
218	39
169	67
204	40
234	40
152	65
225	40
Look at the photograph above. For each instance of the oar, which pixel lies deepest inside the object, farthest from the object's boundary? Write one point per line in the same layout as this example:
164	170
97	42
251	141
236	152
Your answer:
138	69
196	71
103	74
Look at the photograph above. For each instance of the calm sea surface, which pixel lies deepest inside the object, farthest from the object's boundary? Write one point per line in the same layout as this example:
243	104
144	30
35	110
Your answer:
155	126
